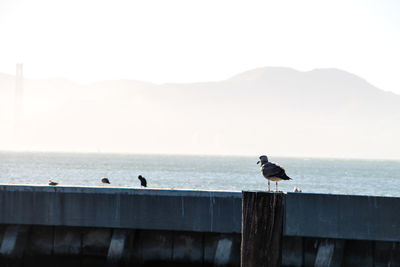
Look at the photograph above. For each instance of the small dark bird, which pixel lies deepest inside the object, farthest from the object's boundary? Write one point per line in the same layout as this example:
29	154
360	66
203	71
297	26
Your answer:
52	183
105	180
143	181
272	172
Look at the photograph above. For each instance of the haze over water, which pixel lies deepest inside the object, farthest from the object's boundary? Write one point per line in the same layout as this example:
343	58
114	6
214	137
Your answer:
235	173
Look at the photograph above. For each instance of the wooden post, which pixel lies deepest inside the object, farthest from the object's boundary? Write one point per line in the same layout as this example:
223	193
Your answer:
262	228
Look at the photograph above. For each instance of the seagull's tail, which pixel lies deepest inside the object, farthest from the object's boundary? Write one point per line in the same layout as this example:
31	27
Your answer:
285	177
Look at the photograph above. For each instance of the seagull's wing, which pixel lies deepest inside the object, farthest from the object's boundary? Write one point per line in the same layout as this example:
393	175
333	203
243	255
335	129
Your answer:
270	169
274	170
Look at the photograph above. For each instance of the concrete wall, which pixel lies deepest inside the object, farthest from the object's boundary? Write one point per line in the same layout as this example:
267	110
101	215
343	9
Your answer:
180	210
306	215
98	226
23	245
343	216
310	251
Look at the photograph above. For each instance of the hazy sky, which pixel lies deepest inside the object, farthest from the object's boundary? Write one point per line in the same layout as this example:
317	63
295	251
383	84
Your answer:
191	41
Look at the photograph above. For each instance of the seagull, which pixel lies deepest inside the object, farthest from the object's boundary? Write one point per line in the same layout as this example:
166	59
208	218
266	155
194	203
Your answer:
52	183
143	181
297	190
105	180
272	172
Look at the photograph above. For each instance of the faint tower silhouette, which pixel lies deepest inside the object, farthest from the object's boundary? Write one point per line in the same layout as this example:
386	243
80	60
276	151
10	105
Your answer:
19	90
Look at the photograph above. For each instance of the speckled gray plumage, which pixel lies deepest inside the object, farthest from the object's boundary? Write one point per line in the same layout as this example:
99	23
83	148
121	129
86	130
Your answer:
272	171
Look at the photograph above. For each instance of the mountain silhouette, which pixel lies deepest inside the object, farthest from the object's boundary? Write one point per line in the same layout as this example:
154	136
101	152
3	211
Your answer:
274	110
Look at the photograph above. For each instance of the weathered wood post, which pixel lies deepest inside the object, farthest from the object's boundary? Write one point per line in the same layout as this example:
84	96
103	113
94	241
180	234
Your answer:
262	228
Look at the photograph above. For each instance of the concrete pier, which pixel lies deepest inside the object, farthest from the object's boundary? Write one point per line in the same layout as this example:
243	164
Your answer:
343	216
105	226
175	210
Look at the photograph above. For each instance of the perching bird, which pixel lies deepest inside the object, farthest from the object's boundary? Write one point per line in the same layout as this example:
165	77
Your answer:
52	183
143	181
272	172
105	180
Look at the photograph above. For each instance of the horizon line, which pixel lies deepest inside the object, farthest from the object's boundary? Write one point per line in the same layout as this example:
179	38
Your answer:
193	154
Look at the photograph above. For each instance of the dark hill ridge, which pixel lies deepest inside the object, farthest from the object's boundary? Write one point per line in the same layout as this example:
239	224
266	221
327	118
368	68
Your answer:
321	89
325	112
307	82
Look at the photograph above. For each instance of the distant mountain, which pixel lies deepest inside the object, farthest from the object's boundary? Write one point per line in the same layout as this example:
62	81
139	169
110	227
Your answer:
276	111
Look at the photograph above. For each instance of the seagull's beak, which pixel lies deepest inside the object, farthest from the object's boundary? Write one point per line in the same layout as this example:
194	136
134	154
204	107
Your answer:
258	162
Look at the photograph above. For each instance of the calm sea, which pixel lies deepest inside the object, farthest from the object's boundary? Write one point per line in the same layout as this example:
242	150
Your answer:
360	177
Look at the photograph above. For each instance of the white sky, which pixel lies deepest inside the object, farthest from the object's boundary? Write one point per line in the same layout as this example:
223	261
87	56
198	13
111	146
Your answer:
192	41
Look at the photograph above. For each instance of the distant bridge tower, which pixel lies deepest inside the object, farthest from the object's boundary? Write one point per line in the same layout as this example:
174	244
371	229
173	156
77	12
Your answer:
19	90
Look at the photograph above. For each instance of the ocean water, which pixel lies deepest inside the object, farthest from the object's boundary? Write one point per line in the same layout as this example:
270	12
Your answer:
337	176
